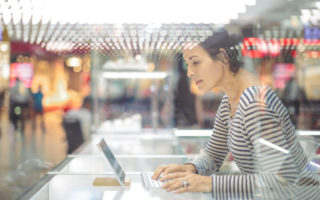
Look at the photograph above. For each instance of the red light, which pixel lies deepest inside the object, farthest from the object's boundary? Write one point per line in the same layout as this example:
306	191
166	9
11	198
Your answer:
259	48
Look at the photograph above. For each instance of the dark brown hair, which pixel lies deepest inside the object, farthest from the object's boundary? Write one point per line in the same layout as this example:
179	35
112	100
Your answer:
221	39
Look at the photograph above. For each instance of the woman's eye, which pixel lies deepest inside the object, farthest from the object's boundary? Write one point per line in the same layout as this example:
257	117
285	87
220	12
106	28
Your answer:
195	62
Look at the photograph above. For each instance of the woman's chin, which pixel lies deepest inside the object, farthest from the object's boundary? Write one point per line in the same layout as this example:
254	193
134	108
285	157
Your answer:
206	89
203	89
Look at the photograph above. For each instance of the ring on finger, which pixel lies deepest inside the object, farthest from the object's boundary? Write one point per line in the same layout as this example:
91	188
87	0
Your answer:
185	183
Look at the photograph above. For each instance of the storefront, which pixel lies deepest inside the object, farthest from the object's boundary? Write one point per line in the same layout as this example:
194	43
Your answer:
130	63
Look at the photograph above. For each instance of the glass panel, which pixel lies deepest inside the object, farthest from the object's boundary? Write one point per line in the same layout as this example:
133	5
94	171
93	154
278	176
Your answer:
285	173
83	165
80	186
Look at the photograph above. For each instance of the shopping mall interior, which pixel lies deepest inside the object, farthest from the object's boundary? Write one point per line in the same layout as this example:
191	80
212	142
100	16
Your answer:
73	72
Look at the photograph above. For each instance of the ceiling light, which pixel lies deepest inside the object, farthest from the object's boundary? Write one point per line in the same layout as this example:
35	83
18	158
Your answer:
305	12
73	62
188	12
138	57
308	133
4	47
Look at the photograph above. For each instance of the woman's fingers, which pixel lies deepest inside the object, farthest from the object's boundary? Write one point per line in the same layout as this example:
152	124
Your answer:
177	185
172	168
187	182
173	176
157	172
172	185
167	170
181	190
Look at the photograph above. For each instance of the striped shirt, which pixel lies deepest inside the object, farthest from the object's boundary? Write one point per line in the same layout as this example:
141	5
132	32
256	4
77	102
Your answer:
262	140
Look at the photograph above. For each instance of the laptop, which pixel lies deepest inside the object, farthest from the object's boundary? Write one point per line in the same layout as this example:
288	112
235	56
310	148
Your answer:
146	177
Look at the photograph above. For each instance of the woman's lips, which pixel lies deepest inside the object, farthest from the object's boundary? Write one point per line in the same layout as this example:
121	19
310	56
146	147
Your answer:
197	82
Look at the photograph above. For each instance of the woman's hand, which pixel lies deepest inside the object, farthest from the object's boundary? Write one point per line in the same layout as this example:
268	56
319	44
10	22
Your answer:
187	182
165	170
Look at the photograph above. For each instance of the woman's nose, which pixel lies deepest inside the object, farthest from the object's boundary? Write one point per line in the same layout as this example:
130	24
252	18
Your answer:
189	72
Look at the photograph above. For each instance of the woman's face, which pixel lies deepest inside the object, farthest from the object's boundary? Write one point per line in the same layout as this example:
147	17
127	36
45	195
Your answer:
202	69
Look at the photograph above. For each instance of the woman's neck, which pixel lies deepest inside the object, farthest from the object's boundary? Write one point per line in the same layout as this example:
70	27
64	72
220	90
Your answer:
235	84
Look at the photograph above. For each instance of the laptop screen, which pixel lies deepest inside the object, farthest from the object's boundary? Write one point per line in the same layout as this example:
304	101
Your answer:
107	153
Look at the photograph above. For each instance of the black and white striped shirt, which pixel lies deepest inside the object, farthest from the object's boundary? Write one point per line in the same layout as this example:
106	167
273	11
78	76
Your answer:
262	140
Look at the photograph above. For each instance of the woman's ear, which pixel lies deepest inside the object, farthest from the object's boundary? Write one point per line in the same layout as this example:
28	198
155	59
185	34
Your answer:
223	56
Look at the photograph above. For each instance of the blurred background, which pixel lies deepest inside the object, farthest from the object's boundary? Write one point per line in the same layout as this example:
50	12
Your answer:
110	65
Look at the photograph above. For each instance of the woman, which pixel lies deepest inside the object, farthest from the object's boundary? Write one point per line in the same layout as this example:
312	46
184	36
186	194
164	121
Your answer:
251	123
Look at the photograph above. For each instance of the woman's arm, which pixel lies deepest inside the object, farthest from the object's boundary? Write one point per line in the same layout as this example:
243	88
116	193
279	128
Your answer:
275	145
277	155
212	156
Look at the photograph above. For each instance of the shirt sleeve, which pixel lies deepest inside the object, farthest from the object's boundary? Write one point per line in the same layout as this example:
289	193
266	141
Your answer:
233	186
212	156
274	166
272	151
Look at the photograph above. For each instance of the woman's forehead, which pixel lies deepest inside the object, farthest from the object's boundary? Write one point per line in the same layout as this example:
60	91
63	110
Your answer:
194	51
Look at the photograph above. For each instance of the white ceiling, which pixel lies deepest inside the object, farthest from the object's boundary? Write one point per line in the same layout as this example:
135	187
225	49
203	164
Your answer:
130	39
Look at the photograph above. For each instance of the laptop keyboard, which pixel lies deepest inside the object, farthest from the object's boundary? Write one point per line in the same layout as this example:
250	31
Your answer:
149	182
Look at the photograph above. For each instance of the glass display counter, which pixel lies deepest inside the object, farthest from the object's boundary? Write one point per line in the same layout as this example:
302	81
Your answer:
81	187
136	152
99	165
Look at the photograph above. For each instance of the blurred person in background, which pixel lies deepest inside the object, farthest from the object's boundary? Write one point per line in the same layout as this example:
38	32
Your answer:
77	124
250	121
20	99
2	97
82	114
38	109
